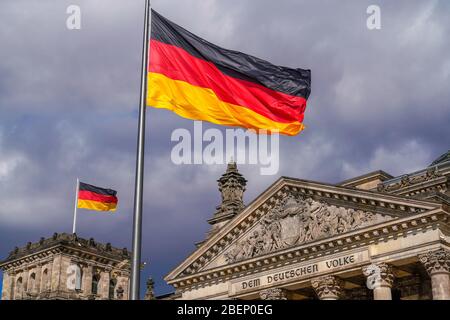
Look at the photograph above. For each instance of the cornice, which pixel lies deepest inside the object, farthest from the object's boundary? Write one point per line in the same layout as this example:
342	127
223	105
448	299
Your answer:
437	184
419	182
72	252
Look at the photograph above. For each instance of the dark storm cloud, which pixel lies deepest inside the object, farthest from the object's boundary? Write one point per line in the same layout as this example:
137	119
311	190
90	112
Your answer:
68	101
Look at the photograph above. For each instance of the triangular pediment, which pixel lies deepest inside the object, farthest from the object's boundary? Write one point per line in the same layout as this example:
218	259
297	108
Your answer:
293	212
293	221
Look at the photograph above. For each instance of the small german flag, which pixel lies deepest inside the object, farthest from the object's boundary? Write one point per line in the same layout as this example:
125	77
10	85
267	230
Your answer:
201	81
94	198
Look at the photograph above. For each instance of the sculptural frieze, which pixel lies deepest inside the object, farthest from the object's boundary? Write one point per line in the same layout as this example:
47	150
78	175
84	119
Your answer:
296	220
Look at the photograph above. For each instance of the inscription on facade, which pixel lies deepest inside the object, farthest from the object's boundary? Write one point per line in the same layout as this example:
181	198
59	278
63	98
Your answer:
300	271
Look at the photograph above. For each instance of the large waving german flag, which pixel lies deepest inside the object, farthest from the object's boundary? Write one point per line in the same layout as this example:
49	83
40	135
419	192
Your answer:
95	198
201	81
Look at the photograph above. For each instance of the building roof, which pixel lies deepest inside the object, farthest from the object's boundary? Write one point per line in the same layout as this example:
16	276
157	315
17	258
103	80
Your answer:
67	240
441	159
374	175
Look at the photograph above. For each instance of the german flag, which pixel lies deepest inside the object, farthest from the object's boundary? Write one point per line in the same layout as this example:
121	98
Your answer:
201	81
94	198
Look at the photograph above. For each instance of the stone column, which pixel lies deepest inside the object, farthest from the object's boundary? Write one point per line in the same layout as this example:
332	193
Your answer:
379	279
25	276
86	281
37	283
273	294
65	263
125	287
8	286
55	273
437	264
328	287
45	279
104	285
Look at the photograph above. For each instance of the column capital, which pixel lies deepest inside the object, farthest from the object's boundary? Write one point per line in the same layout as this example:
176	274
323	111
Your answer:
436	261
328	287
273	294
378	275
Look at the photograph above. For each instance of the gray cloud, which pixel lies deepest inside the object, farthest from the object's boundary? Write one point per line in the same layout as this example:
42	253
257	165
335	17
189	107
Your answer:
68	102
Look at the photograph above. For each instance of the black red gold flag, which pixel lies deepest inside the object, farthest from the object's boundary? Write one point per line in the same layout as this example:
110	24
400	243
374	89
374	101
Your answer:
95	198
201	81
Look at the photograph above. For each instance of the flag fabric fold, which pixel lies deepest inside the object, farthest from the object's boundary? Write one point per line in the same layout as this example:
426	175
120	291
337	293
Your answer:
201	81
95	198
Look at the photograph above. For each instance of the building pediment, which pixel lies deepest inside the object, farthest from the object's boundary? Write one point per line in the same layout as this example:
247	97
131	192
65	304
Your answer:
292	213
296	220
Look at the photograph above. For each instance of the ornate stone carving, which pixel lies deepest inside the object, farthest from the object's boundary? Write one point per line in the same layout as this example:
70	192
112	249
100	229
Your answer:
436	261
231	186
379	275
119	292
409	180
296	220
149	293
273	294
328	287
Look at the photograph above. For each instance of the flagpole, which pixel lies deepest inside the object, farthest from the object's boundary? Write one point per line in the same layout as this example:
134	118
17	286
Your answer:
139	178
75	207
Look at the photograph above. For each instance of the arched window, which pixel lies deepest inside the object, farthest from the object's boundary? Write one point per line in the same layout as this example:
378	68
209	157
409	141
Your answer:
32	282
19	288
95	281
112	287
44	280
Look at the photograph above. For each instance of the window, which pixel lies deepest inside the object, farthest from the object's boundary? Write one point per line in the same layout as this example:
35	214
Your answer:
112	287
44	280
32	282
19	288
95	281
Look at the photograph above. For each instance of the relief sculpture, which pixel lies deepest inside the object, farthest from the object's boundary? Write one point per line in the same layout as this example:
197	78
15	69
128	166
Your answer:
297	220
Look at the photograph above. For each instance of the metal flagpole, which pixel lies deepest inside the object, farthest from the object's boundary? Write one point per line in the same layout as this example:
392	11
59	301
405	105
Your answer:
139	179
75	207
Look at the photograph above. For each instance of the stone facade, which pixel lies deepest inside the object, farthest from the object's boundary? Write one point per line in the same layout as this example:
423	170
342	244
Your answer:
66	267
371	237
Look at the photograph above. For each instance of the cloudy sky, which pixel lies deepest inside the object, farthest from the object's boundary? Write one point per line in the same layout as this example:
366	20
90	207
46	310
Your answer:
68	108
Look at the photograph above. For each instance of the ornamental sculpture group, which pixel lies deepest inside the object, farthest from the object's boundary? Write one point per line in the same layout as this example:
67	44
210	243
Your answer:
295	220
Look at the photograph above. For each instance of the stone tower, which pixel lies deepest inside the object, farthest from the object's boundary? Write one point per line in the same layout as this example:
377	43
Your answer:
65	267
232	187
